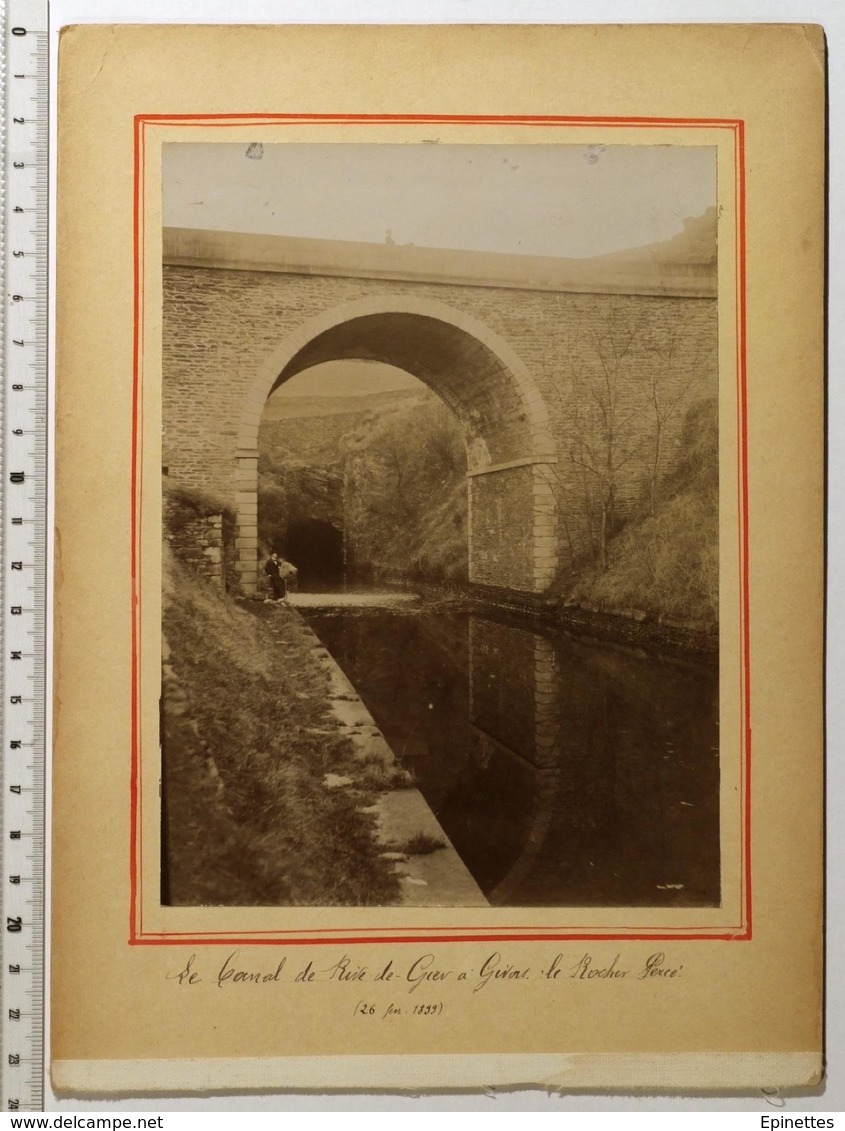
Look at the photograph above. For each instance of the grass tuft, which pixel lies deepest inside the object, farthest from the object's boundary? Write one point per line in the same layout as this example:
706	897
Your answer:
372	774
421	844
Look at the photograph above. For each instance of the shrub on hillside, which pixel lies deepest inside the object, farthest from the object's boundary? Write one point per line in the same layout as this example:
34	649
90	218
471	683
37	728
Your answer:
668	563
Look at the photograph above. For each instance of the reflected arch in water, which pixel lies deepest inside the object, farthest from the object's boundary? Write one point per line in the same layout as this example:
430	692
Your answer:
564	773
617	756
514	709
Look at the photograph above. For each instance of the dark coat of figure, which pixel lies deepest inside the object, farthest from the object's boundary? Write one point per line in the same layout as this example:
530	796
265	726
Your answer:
273	570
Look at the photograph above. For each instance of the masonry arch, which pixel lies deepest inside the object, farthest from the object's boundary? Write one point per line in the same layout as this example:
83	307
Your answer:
505	423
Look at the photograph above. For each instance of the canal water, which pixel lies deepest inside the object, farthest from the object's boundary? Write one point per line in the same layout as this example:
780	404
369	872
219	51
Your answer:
565	773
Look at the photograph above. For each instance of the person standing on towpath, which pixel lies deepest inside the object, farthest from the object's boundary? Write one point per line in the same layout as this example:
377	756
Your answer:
273	570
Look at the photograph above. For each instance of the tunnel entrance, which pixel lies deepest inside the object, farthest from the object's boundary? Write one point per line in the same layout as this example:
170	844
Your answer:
315	547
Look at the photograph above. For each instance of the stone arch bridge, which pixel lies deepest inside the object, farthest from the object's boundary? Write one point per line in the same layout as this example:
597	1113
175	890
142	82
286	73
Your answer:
530	354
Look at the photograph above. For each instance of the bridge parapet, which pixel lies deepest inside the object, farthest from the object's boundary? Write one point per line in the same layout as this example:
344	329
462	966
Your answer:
644	271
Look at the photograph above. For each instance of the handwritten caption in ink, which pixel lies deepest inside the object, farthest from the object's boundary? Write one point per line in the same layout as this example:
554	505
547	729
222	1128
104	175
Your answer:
239	971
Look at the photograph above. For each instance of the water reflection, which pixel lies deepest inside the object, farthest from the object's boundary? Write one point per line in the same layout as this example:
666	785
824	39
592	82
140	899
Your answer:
564	773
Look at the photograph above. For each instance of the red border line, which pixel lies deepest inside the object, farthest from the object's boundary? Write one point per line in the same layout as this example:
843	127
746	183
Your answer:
139	537
703	929
434	119
137	936
745	614
165	940
135	593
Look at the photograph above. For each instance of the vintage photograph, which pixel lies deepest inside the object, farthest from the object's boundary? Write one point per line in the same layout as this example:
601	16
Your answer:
440	473
439	560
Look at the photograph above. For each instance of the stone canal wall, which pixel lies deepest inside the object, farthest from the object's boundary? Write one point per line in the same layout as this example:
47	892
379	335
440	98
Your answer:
435	879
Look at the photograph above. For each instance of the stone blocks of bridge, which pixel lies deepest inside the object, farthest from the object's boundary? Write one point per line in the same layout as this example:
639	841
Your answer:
545	524
513	526
498	355
246	503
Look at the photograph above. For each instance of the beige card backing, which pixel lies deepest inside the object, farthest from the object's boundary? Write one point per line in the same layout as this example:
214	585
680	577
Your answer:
740	1004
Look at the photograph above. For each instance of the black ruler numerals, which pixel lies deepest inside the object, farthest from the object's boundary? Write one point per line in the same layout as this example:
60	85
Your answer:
21	44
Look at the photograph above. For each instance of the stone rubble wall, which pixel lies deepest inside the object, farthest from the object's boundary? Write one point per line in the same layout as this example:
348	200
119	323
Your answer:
200	544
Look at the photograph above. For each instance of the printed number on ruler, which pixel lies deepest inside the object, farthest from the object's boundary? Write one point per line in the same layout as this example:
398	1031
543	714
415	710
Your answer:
23	589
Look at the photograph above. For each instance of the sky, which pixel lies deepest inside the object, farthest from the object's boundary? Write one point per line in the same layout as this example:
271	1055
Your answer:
557	200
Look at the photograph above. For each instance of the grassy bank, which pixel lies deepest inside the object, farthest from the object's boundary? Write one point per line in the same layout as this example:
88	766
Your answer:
666	564
248	742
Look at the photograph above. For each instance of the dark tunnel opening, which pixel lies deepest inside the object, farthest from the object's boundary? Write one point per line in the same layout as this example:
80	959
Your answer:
316	549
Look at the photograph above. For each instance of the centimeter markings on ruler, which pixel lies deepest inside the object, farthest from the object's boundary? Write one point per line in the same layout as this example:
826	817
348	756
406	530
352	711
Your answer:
23	550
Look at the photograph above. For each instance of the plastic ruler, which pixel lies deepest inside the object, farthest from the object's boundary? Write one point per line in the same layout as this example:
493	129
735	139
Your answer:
23	547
